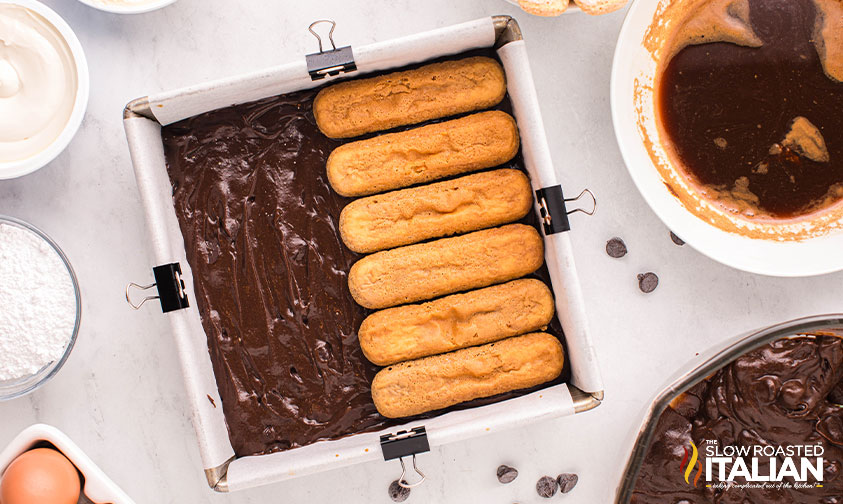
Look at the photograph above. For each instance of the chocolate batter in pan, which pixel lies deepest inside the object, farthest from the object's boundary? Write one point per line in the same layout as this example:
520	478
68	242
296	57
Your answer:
260	226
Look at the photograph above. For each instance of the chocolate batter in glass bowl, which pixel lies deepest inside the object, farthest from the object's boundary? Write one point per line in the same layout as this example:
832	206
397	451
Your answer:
788	392
259	221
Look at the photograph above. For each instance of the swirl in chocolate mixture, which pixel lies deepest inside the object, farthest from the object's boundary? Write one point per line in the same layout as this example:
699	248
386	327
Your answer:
787	393
270	274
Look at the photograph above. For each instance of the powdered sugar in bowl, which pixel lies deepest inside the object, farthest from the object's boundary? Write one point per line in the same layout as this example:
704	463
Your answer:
40	308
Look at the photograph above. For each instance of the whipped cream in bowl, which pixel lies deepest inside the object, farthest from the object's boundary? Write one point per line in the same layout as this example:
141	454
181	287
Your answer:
127	6
44	86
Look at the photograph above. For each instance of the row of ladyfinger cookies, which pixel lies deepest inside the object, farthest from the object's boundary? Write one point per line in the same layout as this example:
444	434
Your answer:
462	346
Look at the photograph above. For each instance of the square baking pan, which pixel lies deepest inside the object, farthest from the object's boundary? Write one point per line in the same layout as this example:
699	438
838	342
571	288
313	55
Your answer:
143	121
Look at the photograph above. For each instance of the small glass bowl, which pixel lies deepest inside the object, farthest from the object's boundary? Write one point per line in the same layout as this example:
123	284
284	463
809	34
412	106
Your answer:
10	389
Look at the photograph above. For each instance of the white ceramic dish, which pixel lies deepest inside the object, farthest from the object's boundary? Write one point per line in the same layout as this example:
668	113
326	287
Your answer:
127	7
572	7
98	487
22	167
12	389
634	69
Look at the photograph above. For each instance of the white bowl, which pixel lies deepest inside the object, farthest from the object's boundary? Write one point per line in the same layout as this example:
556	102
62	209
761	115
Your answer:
98	487
22	167
126	7
780	248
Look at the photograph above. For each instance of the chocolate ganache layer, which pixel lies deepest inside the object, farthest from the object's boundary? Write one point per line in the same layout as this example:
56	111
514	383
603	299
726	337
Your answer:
260	227
787	393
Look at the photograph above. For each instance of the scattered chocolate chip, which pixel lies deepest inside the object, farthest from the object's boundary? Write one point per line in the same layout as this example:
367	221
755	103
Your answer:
546	487
507	474
676	239
616	248
398	493
648	282
567	482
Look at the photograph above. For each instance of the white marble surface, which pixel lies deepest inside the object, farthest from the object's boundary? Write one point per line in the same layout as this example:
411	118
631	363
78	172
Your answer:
120	396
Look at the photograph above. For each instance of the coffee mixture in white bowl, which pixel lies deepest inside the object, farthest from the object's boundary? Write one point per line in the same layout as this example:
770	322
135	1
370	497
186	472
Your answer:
724	111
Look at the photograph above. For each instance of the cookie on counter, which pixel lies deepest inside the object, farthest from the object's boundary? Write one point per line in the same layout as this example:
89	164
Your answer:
456	321
456	206
357	107
445	266
437	382
435	151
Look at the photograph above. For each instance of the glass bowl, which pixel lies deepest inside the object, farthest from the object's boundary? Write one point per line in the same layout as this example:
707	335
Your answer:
10	389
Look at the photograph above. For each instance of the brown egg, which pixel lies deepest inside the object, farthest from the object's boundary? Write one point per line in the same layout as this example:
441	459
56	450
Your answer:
40	476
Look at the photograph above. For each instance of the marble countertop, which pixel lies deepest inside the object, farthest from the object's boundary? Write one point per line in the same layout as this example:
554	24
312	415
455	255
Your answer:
120	395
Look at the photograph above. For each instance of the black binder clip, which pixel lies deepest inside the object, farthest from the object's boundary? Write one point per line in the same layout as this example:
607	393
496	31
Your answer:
405	444
169	285
554	210
332	62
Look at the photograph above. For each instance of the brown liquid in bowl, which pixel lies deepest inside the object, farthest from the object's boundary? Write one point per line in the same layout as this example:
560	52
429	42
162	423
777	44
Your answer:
760	129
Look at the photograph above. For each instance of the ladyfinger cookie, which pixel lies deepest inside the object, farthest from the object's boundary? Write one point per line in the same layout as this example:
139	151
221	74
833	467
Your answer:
597	7
357	107
433	383
456	206
457	321
411	157
428	270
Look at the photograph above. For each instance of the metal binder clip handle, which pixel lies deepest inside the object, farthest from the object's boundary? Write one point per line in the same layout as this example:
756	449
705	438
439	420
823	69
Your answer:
403	482
139	287
330	33
593	203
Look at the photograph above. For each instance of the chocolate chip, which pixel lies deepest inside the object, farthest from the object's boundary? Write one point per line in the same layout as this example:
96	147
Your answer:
398	493
676	239
648	282
546	487
567	482
507	474
616	248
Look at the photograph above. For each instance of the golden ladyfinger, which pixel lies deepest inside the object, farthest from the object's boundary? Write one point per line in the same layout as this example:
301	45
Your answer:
357	107
597	7
456	206
419	155
456	321
428	270
544	7
433	383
